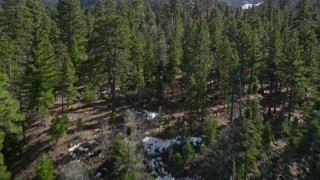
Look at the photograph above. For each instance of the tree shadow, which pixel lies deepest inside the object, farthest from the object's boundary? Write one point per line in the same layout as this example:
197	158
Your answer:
28	156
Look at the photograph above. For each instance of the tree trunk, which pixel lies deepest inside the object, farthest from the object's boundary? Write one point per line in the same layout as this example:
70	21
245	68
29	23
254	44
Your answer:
270	97
24	129
251	74
231	109
233	169
24	122
240	100
290	104
245	167
62	103
112	83
275	98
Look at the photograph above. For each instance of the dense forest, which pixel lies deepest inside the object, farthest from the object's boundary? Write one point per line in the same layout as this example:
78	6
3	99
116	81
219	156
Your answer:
138	89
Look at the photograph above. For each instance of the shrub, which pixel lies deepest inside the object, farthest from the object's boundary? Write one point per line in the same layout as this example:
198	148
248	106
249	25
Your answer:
187	151
45	169
80	124
212	133
113	117
203	147
170	132
88	94
178	162
59	126
285	127
129	131
121	98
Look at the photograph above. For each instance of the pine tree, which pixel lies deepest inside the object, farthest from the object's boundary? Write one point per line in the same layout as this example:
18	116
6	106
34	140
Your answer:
6	54
161	59
108	52
244	47
149	64
295	71
45	169
309	55
197	70
59	126
215	28
174	52
273	59
250	140
18	26
304	14
67	74
137	55
73	30
267	138
10	120
123	159
230	74
41	74
308	148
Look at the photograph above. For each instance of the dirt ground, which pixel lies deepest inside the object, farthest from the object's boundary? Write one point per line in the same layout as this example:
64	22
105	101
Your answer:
96	126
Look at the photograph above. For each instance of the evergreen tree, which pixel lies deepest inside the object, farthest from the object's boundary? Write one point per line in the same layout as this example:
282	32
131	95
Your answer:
197	70
161	59
45	169
108	53
137	56
309	55
59	126
123	159
295	71
250	140
67	74
273	59
6	54
18	26
149	64
41	74
215	28
308	148
267	138
230	74
72	30
10	120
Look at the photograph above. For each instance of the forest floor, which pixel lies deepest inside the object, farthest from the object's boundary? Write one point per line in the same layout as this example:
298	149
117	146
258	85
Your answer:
96	129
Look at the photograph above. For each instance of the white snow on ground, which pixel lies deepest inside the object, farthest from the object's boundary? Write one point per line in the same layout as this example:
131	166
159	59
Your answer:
248	6
150	115
154	147
195	140
74	147
81	148
165	178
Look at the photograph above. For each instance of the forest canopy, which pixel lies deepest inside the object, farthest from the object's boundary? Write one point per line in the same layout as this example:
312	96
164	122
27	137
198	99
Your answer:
231	91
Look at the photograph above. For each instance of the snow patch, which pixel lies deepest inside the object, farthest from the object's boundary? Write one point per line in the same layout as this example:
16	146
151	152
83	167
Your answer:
154	147
196	141
248	6
81	148
150	115
74	147
165	178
